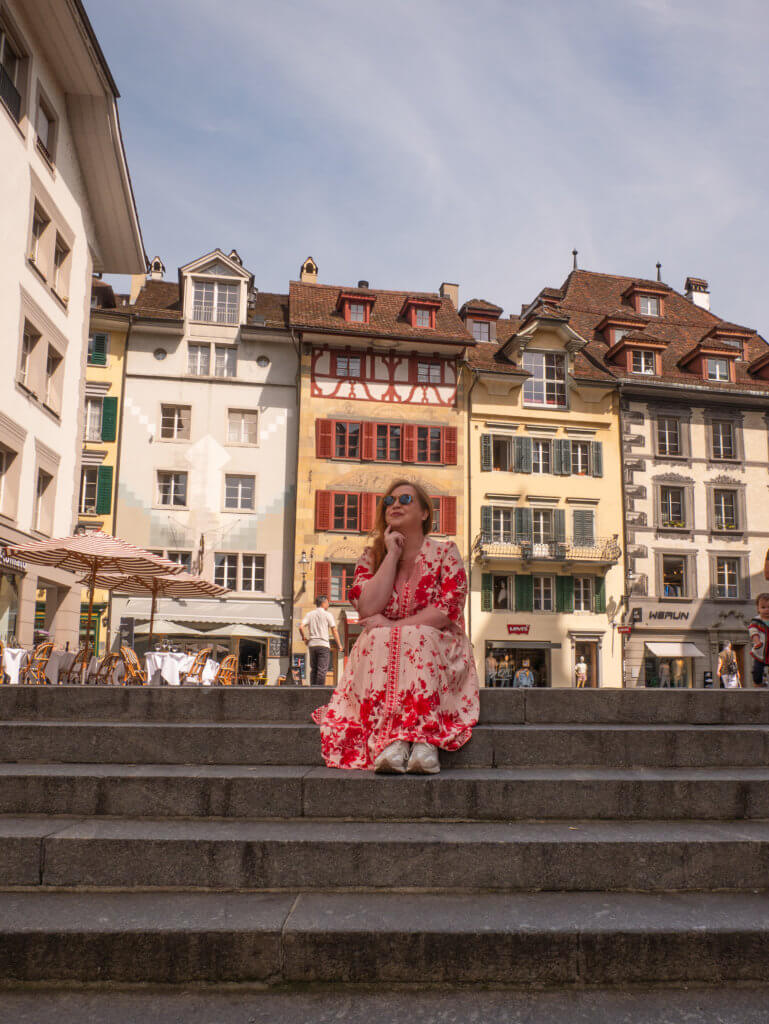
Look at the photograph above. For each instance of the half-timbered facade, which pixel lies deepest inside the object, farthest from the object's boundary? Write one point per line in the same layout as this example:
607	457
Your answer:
380	400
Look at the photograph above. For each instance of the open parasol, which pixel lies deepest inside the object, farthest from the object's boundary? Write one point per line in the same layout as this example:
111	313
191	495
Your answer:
95	552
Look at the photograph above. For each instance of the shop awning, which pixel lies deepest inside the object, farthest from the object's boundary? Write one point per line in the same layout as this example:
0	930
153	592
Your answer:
223	611
674	649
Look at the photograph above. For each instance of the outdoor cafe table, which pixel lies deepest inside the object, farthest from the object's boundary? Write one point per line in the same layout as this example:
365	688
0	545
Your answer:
14	659
169	666
59	662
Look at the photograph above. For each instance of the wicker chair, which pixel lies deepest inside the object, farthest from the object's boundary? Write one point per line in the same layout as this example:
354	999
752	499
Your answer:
133	670
228	672
34	673
79	666
2	670
105	670
195	674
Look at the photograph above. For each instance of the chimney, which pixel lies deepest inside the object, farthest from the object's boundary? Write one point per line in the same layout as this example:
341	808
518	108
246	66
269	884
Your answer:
450	291
308	272
363	284
137	283
156	269
697	291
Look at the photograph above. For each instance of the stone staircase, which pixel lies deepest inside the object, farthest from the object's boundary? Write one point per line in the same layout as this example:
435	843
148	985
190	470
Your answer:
582	840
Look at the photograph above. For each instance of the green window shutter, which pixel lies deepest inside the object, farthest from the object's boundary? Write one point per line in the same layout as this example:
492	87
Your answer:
565	457
486	592
583	527
555	459
522	453
564	594
524	593
599	600
485	453
98	350
524	529
486	522
109	419
596	461
104	490
559	524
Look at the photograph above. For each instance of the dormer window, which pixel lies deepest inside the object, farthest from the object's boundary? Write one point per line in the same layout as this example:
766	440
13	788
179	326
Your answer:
618	333
355	308
649	305
357	311
643	361
420	313
718	369
481	330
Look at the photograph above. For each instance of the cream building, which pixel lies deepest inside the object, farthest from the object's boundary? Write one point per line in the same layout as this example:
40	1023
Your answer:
207	471
66	210
544	494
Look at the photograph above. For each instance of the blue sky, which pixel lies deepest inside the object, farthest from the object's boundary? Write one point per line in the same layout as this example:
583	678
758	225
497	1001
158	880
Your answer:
410	143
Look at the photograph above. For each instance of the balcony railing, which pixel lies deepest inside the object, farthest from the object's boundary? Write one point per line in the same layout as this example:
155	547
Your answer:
9	94
602	550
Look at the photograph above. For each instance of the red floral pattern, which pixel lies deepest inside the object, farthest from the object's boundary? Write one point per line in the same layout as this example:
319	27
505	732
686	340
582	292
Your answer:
413	683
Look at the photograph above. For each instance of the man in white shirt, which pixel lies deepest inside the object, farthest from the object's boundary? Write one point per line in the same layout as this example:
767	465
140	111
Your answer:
314	631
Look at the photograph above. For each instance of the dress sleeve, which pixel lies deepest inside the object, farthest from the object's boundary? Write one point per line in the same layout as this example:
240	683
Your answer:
451	588
363	572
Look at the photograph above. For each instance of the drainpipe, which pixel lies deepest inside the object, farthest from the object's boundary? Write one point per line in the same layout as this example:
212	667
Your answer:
625	594
296	341
118	456
474	375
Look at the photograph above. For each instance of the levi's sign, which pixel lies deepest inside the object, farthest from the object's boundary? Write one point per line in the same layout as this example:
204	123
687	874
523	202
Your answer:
517	628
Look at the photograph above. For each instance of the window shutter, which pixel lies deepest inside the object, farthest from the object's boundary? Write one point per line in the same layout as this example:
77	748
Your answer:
524	527
449	516
486	592
485	453
323	510
324	439
522	454
104	490
322	577
99	350
449	446
596	460
485	523
599	600
565	447
564	593
368	442
583	526
367	511
559	524
556	461
524	593
109	418
413	370
409	434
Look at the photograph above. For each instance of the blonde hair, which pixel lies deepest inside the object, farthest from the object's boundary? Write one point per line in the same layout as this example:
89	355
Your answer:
378	548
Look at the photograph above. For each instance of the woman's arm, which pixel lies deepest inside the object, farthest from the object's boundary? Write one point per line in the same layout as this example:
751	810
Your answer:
428	616
378	590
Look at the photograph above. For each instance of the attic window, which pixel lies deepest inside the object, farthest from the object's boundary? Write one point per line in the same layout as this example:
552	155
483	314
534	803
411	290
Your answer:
649	305
423	317
718	369
481	330
643	361
732	342
357	312
355	309
420	313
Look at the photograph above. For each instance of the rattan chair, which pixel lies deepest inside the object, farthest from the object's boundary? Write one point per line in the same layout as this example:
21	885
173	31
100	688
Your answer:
195	674
76	672
133	670
228	672
2	670
34	673
105	670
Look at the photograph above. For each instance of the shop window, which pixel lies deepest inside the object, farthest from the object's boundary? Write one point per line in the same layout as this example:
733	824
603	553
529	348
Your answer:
543	593
175	422
727	581
723	439
547	383
540	456
669	435
674	576
672	507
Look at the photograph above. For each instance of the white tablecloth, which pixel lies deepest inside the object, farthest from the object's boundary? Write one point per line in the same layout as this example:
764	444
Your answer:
93	667
59	663
169	666
14	658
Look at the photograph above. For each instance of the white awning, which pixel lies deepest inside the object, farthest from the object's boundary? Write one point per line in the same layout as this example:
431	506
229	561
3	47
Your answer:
677	649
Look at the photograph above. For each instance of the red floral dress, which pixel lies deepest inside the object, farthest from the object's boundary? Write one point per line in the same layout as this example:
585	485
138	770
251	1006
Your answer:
413	683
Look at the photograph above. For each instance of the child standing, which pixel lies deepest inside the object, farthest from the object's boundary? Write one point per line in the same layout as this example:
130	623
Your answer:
758	631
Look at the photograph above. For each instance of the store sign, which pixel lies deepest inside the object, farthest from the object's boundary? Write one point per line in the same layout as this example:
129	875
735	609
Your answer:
14	564
517	629
668	615
626	630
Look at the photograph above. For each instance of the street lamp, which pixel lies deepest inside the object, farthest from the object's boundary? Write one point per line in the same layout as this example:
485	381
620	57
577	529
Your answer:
305	564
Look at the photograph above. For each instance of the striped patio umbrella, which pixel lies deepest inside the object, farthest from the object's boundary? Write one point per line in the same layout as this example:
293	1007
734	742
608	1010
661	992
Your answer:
92	553
181	585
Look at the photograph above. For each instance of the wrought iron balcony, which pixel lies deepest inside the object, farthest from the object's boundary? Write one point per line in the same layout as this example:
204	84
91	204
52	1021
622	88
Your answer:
9	94
601	551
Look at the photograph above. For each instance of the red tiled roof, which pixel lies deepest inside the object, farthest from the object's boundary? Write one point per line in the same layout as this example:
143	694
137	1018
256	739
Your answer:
272	306
481	305
312	307
159	300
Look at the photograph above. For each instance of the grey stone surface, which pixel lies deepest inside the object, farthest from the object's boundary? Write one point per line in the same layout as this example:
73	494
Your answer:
21	846
656	707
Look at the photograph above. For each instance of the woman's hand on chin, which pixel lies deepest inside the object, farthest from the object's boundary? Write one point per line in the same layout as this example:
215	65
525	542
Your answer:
393	541
374	621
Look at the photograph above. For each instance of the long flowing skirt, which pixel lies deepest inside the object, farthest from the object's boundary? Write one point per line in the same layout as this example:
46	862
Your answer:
413	683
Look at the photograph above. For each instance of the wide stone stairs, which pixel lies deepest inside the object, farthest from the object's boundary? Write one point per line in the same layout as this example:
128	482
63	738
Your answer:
582	839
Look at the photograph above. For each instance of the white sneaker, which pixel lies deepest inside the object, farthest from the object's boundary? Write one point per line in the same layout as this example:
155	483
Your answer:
424	759
392	759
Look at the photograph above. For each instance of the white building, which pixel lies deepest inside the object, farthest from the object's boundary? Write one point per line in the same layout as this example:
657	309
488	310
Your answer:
207	466
66	210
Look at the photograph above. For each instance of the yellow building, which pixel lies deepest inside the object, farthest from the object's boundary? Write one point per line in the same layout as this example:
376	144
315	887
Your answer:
545	500
380	399
109	327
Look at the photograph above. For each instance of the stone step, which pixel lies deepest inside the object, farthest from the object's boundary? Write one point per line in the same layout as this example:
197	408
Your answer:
579	856
292	743
294	704
396	1005
296	791
544	939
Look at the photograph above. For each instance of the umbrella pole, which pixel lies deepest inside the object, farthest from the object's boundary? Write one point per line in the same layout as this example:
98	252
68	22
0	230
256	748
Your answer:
152	616
90	605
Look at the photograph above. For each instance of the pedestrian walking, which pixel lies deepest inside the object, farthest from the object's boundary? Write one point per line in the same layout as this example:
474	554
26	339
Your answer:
728	669
314	630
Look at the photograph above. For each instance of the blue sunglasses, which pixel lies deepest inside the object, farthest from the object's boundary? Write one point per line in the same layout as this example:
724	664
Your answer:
404	499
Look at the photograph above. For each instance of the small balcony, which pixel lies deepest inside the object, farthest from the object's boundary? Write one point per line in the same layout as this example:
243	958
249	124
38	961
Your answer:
9	94
601	551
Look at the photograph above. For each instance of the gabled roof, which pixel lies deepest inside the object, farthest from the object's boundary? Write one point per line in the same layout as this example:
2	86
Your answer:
480	306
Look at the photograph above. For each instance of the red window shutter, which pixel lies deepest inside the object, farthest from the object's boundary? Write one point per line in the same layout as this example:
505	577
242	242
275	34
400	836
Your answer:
449	446
324	439
413	370
322	577
368	441
367	512
323	510
449	516
409	446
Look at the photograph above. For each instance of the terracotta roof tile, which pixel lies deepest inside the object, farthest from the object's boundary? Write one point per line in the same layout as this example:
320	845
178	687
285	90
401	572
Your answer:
272	306
158	299
481	305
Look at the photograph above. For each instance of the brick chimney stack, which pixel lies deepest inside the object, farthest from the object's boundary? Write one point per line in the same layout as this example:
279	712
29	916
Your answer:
450	291
697	291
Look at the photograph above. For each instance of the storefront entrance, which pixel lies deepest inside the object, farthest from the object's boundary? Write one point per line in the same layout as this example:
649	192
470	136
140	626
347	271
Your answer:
588	650
670	665
504	660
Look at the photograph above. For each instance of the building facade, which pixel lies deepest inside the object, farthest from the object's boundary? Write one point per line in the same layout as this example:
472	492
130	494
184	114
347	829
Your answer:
381	398
208	451
544	493
66	211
